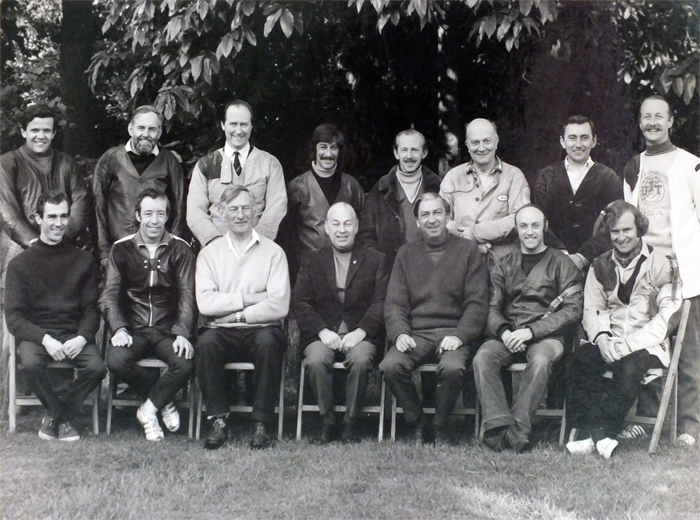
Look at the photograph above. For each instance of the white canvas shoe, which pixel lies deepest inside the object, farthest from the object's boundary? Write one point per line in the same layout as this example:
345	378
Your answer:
150	425
583	447
685	439
171	417
606	446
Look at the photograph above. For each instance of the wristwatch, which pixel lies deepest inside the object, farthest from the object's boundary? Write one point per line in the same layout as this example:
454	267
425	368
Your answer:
238	317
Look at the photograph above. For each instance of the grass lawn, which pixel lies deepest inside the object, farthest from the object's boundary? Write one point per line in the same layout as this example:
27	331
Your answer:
124	476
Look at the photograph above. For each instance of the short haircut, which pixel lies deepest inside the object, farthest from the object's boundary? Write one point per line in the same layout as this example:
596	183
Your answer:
530	205
656	97
146	109
326	133
408	133
232	192
51	197
431	195
577	120
39	111
237	103
615	210
153	193
354	213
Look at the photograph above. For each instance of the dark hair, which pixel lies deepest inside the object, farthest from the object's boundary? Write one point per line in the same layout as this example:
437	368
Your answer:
237	103
615	210
146	109
326	133
153	193
234	191
530	205
656	97
577	120
409	132
51	197
39	111
431	195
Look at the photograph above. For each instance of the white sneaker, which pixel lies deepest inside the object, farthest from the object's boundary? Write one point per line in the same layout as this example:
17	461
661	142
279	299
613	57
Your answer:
685	439
606	446
171	417
583	447
150	426
633	431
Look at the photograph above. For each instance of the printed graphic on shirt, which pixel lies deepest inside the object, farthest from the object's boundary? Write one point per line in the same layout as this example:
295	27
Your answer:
653	193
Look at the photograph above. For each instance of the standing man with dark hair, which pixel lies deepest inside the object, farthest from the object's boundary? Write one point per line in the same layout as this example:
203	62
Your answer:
435	307
314	192
237	163
535	302
148	302
572	193
126	170
51	309
387	220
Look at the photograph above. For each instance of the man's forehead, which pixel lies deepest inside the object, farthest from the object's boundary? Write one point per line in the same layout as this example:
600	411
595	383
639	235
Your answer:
242	199
56	209
430	204
152	203
578	129
410	140
530	215
41	121
238	113
652	106
480	128
328	143
146	119
340	213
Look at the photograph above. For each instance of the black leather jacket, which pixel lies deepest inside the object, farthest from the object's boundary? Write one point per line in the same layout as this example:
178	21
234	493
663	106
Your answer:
155	292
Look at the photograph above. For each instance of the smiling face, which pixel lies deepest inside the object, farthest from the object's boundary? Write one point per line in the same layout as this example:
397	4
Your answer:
327	155
53	222
410	151
624	234
341	226
152	218
531	225
578	141
145	131
238	126
482	142
39	134
432	219
240	215
655	121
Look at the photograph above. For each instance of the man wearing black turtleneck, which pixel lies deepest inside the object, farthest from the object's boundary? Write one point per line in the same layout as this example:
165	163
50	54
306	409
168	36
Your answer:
51	309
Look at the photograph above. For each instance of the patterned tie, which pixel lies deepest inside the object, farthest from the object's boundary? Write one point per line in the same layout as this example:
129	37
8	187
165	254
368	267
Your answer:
236	163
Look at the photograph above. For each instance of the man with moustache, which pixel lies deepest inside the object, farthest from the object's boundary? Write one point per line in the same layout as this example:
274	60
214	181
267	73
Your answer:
126	170
338	303
485	193
626	338
314	192
387	220
535	302
148	303
237	163
574	192
435	307
242	289
51	309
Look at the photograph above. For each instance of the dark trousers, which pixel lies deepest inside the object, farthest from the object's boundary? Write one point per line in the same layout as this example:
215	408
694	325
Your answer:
595	401
358	361
150	342
262	346
62	407
398	368
689	374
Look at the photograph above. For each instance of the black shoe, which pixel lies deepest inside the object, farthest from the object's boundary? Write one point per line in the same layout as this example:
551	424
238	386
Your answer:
260	439
417	432
444	436
49	428
517	440
496	442
349	435
327	435
218	435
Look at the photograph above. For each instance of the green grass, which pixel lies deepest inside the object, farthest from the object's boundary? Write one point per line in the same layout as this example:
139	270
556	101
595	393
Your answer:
124	476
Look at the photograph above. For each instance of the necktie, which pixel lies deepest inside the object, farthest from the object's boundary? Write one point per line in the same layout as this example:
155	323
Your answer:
236	163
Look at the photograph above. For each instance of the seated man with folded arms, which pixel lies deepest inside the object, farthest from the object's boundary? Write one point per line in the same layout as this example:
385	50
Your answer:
629	300
148	303
242	289
435	307
535	302
338	303
51	306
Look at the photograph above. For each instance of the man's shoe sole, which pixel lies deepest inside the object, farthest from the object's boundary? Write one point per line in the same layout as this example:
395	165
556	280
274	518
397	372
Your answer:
45	437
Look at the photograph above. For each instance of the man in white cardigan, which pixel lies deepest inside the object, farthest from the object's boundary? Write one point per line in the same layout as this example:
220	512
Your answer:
242	288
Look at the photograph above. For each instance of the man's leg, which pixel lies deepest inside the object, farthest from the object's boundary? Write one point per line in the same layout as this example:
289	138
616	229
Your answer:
91	371
214	349
267	346
451	370
177	375
122	361
490	359
689	375
34	360
586	387
359	361
318	362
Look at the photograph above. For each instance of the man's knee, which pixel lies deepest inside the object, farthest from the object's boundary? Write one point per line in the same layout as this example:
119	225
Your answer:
32	360
317	355
542	359
95	367
393	366
119	359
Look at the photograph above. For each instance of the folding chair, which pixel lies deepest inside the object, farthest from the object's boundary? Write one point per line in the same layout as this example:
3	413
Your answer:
301	407
15	400
279	409
186	402
395	409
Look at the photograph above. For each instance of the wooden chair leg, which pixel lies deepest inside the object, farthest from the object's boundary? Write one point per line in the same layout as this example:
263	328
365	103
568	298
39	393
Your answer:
393	418
112	387
382	406
300	404
200	409
280	424
193	409
12	390
95	410
477	418
573	434
562	430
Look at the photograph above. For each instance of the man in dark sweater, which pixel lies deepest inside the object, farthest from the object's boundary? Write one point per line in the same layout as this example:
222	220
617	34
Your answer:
51	306
435	307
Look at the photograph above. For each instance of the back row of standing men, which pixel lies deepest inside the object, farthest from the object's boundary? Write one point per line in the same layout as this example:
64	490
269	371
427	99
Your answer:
483	194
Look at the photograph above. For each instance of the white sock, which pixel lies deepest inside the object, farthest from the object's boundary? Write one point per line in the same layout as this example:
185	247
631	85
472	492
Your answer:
149	408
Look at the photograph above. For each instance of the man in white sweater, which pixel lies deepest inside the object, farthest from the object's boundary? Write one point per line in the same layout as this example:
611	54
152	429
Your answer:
242	288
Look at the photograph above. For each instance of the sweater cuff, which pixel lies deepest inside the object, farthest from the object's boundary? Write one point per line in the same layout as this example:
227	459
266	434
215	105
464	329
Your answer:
602	333
502	328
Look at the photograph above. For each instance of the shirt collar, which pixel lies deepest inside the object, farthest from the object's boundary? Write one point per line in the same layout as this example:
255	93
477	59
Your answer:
138	240
497	167
129	148
254	238
229	150
586	167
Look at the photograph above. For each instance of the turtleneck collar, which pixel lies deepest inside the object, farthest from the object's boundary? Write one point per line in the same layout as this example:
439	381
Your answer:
51	247
323	172
438	243
660	148
409	178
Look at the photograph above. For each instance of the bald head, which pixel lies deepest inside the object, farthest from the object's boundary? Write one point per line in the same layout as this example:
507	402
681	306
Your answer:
482	141
341	226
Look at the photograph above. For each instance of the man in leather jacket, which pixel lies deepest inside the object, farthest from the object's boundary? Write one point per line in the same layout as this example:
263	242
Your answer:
148	302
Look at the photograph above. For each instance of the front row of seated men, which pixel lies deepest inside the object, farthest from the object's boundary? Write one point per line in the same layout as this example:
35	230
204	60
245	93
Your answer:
434	307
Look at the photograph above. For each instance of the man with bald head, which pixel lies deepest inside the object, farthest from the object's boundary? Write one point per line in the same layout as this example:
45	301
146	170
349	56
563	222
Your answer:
484	193
535	301
338	303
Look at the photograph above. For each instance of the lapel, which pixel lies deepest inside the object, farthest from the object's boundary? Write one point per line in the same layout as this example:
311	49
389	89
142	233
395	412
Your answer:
566	183
328	263
356	260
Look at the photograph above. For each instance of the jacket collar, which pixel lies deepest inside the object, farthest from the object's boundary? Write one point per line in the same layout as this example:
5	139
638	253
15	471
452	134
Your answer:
142	247
356	259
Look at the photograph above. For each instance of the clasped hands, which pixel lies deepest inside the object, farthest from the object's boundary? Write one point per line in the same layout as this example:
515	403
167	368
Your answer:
333	341
612	349
516	340
60	351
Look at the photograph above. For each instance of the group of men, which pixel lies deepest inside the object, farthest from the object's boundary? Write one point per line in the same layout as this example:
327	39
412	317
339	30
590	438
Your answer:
446	270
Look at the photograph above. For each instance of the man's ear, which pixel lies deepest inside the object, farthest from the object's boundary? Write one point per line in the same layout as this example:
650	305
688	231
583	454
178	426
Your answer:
138	216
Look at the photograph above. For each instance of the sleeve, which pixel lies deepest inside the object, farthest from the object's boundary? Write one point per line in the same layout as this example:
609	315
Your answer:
446	192
177	188
90	318
17	308
14	222
367	232
198	217
495	321
100	192
79	202
373	320
630	174
275	202
475	302
539	190
596	245
186	307
397	305
276	305
109	300
210	300
498	229
304	301
596	315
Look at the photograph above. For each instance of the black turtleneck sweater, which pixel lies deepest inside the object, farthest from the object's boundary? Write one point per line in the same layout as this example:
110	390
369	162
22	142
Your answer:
52	289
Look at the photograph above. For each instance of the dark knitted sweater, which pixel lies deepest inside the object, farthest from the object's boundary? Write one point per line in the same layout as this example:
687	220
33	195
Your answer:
52	290
451	294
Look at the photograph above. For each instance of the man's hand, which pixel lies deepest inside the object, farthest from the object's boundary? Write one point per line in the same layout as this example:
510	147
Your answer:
484	248
352	338
53	347
122	338
578	259
252	299
404	343
620	348
449	343
74	346
330	339
181	346
516	340
606	345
